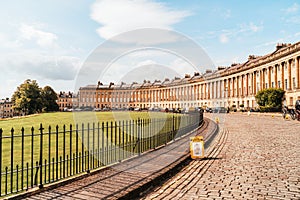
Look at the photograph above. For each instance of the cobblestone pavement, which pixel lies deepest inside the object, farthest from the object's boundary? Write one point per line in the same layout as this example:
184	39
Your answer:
253	157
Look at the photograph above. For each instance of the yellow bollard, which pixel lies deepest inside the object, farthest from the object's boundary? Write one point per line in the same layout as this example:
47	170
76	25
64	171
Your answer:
197	147
287	117
272	116
217	119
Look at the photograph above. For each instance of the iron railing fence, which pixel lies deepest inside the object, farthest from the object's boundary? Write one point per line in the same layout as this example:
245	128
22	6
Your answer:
45	156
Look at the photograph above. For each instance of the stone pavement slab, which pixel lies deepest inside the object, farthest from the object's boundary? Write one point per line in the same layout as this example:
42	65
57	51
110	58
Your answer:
256	157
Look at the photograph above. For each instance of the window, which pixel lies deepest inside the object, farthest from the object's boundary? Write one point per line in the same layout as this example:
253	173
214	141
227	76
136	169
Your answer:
272	84
279	84
286	83
293	64
294	83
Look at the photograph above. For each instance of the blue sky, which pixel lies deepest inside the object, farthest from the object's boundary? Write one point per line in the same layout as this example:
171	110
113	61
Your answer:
49	40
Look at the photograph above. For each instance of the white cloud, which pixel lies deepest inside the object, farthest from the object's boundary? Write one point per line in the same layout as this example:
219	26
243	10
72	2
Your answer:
120	16
7	43
42	66
251	27
227	14
42	38
294	20
46	59
243	29
292	14
223	38
292	9
57	71
254	28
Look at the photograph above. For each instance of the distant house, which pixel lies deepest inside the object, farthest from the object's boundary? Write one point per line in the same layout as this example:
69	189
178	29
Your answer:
6	109
67	101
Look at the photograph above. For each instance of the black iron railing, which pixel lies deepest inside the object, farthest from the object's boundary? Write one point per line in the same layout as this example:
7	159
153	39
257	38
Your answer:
45	156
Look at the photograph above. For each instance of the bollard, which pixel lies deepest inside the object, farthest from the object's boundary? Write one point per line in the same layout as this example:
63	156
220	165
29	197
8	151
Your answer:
217	120
197	147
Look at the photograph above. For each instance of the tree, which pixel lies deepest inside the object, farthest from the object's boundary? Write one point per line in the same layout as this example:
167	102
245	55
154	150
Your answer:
49	99
27	98
270	98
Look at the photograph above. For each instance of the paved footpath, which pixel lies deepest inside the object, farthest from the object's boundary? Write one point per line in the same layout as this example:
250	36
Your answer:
253	157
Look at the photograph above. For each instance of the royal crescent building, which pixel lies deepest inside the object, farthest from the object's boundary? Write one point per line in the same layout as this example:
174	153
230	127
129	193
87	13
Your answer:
226	86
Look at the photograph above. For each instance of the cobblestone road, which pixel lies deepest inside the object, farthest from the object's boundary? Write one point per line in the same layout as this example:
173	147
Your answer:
253	157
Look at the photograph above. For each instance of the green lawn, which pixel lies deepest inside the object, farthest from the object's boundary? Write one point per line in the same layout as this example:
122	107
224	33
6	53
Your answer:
67	118
55	146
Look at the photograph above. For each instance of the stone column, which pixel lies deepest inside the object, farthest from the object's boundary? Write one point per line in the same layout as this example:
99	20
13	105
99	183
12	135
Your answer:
264	78
201	92
242	86
254	83
224	83
204	91
247	85
212	86
221	89
208	91
289	74
216	89
196	92
228	91
237	86
233	79
282	75
297	72
275	75
261	75
269	77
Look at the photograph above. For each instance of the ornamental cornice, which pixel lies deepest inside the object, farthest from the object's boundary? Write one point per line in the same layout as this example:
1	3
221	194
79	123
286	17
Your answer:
265	59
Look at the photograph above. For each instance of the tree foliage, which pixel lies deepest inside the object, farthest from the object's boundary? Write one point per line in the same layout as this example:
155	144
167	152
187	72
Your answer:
49	99
271	98
29	98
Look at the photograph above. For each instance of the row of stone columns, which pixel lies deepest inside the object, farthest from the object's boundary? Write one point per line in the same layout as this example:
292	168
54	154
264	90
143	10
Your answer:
240	86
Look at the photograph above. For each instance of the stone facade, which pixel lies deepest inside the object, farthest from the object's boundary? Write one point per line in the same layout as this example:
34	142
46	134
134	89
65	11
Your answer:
6	109
66	101
226	86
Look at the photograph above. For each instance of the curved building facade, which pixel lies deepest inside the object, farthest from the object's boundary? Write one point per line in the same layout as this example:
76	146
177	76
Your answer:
226	86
